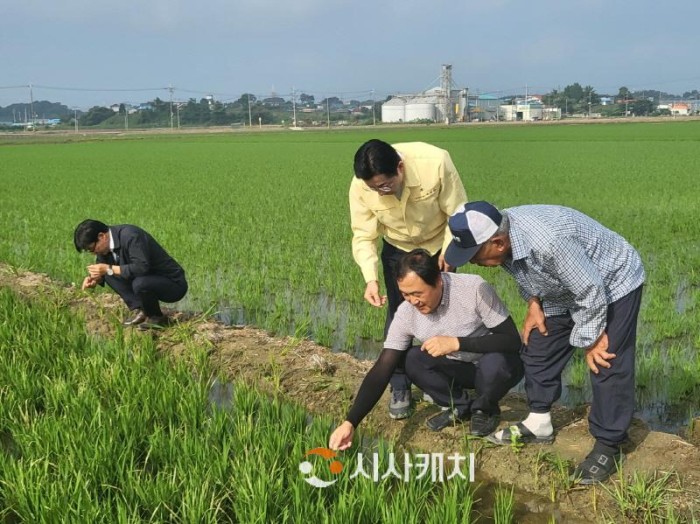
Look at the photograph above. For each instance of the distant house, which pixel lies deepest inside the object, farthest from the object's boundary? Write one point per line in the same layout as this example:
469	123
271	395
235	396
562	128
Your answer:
679	109
606	100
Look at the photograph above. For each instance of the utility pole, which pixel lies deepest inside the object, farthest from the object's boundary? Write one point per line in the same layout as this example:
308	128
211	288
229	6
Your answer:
328	113
126	118
294	109
31	106
170	88
250	115
75	109
374	115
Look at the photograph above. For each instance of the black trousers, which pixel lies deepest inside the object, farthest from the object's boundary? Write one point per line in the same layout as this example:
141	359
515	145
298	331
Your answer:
613	389
146	291
446	380
390	258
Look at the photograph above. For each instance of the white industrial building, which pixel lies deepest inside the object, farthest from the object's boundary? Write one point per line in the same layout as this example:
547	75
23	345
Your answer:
529	110
427	106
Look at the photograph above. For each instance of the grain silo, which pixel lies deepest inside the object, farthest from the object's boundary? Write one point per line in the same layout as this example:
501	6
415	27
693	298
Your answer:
394	110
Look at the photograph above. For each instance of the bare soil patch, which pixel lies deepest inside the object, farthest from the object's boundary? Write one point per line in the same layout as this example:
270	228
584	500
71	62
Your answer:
325	382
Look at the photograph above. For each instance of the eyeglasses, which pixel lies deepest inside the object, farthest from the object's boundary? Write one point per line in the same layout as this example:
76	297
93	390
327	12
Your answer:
385	187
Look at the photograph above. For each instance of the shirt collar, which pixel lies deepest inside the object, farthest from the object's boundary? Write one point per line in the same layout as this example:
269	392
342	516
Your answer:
113	241
445	299
410	175
519	244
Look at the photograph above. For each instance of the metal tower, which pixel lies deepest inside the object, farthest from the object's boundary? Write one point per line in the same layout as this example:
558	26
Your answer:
446	86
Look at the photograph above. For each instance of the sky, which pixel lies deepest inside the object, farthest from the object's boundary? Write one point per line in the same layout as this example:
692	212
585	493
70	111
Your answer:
92	52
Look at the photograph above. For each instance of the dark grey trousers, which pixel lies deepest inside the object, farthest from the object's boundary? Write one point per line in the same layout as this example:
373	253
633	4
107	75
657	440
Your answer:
446	380
145	292
545	358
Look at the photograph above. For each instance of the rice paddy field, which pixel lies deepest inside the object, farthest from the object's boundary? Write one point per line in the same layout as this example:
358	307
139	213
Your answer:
260	222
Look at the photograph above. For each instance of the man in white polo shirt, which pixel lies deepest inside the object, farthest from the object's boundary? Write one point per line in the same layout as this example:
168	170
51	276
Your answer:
469	341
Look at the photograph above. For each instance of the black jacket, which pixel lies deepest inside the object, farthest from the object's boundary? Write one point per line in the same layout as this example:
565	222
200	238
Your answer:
139	254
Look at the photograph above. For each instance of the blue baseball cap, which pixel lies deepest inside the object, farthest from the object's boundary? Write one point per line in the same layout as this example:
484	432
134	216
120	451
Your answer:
471	226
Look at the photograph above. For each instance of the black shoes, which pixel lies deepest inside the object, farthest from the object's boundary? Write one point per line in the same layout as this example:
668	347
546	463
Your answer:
144	322
138	318
401	404
599	465
446	418
154	323
483	424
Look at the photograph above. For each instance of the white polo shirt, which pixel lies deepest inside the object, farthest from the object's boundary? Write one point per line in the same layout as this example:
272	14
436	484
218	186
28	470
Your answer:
469	307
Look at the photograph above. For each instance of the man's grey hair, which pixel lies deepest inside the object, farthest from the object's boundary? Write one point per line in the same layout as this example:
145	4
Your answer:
504	228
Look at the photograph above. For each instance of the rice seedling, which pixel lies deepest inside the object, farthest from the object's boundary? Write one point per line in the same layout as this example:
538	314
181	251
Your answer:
556	470
503	505
247	246
643	497
108	430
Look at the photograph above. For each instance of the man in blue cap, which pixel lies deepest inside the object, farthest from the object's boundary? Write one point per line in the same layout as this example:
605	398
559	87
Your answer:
583	285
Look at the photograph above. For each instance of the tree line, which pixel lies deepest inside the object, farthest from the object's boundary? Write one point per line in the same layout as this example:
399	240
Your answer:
249	110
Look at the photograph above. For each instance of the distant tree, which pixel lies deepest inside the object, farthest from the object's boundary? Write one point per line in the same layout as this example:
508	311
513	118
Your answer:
96	115
574	92
122	109
624	93
160	106
612	110
552	99
642	107
42	109
218	114
245	99
306	100
590	97
694	94
333	102
195	113
261	114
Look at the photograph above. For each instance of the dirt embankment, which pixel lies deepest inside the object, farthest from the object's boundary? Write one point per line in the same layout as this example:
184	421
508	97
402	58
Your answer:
325	382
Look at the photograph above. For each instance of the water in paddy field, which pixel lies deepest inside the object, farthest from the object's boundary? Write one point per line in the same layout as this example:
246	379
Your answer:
662	407
684	295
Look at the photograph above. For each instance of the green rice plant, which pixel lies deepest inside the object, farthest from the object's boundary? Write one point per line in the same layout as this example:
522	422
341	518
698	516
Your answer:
643	497
503	505
233	216
557	470
456	504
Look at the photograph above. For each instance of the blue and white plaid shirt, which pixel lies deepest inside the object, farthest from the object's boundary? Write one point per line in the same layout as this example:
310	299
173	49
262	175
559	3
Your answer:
572	264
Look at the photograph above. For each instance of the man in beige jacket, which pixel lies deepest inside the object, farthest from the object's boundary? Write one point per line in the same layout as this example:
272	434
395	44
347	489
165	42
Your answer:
403	193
